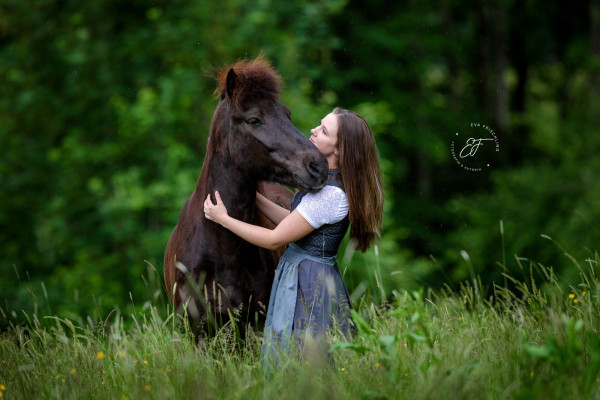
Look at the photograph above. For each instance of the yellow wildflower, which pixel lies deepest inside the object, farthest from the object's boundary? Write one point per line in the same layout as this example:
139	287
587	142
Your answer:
405	345
147	388
73	371
571	295
343	369
169	370
145	362
377	365
460	318
575	300
103	382
100	355
2	387
0	394
583	293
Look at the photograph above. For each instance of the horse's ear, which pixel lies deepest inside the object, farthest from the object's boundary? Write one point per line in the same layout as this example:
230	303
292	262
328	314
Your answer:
230	83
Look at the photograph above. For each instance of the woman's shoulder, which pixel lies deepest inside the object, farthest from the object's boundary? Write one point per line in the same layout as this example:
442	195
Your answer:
326	206
330	193
329	200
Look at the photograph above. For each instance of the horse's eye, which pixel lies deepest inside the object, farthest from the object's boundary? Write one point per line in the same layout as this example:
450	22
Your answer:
254	121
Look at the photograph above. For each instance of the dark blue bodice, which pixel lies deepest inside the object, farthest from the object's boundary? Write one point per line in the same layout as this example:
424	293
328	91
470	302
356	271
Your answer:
324	241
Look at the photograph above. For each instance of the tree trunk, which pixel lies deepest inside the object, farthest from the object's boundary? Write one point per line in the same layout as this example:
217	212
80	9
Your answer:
501	103
595	42
482	57
450	56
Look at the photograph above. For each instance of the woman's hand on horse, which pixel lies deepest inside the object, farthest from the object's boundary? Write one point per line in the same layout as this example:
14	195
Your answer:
215	212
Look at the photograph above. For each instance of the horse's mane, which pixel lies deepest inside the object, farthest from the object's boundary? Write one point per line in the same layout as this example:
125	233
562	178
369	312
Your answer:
255	80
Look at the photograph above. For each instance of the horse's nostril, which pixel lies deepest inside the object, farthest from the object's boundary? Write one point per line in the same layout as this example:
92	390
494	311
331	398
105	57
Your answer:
314	170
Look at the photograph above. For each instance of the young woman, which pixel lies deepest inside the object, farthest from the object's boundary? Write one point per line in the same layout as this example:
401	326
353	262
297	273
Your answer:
308	294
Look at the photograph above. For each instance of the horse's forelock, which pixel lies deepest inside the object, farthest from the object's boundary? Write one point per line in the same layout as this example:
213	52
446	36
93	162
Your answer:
255	80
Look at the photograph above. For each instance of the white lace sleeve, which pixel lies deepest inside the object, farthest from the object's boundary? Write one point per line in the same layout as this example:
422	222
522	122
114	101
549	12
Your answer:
329	205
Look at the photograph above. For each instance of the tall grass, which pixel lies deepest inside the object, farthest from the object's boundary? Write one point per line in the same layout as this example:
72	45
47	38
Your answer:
539	341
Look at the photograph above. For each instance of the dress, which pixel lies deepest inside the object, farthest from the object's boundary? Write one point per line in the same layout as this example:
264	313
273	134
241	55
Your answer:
308	294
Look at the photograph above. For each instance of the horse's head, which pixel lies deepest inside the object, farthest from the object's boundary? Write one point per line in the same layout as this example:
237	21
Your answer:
257	132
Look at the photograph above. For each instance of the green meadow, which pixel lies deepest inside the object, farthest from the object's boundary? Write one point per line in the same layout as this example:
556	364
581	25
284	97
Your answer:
538	342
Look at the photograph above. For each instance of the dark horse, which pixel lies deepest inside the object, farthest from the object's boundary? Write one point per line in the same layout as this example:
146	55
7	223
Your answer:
252	139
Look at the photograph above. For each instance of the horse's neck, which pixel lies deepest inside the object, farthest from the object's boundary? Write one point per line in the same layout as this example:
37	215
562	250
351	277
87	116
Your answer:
237	190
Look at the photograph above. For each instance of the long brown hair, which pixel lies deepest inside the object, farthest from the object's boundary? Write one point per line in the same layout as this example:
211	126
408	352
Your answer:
359	169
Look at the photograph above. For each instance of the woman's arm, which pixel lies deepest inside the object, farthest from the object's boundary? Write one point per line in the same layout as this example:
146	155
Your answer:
290	229
271	210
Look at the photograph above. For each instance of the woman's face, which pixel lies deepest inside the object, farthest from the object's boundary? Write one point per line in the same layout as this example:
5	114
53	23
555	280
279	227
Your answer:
325	137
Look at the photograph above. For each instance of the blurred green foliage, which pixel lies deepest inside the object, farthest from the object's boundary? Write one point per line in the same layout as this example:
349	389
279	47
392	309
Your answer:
105	109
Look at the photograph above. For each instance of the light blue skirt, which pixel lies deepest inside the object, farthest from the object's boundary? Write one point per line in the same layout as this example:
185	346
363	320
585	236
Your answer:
308	297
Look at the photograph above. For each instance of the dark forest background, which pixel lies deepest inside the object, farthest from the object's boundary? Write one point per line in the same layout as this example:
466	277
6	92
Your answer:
105	108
